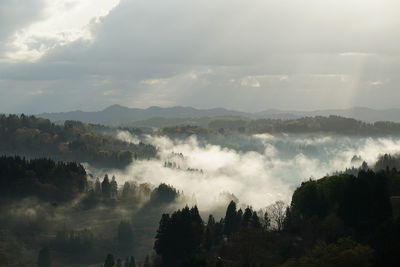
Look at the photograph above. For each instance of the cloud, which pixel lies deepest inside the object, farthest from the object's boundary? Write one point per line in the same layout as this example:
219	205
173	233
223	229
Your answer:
36	92
257	177
109	92
62	22
288	54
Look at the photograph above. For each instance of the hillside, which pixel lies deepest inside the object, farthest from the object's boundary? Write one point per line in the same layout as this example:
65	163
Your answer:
169	116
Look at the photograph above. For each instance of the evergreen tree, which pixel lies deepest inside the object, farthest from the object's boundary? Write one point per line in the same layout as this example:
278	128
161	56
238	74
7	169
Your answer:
255	221
179	235
146	262
109	262
209	238
230	220
239	218
132	262
44	259
126	262
126	190
248	213
97	187
114	187
106	187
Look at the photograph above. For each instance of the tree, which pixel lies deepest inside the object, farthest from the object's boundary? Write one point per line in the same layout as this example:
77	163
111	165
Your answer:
255	221
113	187
109	262
179	235
230	220
97	187
146	262
346	252
209	238
132	262
126	190
267	221
44	259
277	213
106	187
247	217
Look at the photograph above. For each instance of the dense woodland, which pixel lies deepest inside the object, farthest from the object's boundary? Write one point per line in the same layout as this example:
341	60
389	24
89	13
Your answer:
54	213
341	220
337	219
73	141
319	124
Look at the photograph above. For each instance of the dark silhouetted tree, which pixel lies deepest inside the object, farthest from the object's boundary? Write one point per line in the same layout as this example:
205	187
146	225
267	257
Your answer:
109	262
248	213
179	235
44	259
230	221
114	187
106	187
97	187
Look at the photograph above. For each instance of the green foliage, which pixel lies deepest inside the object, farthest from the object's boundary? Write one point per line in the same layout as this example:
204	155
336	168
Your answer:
362	202
345	252
179	235
331	124
43	178
74	141
44	259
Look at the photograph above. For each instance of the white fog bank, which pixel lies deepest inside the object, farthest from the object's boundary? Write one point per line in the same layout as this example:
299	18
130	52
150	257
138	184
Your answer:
258	177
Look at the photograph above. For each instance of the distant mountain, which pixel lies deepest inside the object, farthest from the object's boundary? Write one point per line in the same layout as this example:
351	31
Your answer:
158	116
117	114
358	113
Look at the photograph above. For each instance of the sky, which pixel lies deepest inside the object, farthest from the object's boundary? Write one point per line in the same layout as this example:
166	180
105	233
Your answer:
61	55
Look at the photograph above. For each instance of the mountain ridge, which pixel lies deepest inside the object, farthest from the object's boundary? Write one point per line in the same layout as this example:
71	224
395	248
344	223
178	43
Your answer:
118	114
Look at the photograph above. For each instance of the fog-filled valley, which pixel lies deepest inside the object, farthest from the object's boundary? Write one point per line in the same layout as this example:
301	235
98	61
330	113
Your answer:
112	200
257	169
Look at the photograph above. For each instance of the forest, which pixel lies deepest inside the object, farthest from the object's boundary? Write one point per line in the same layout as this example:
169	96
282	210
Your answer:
318	124
55	214
121	211
73	141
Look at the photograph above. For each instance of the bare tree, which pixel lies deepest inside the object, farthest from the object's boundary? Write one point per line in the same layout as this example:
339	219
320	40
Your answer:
276	213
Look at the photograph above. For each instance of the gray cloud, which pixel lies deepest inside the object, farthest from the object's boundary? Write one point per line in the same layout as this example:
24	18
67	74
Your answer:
247	55
15	14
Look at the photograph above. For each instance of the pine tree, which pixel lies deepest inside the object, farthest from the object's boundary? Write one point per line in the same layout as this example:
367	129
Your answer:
126	190
97	187
146	262
255	221
209	238
44	259
106	187
248	213
114	187
109	262
230	219
132	262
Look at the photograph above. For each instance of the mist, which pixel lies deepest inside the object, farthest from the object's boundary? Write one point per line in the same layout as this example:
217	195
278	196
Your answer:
256	170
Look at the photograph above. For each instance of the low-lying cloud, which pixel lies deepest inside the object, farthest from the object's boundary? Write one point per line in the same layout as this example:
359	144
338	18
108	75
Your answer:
208	171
